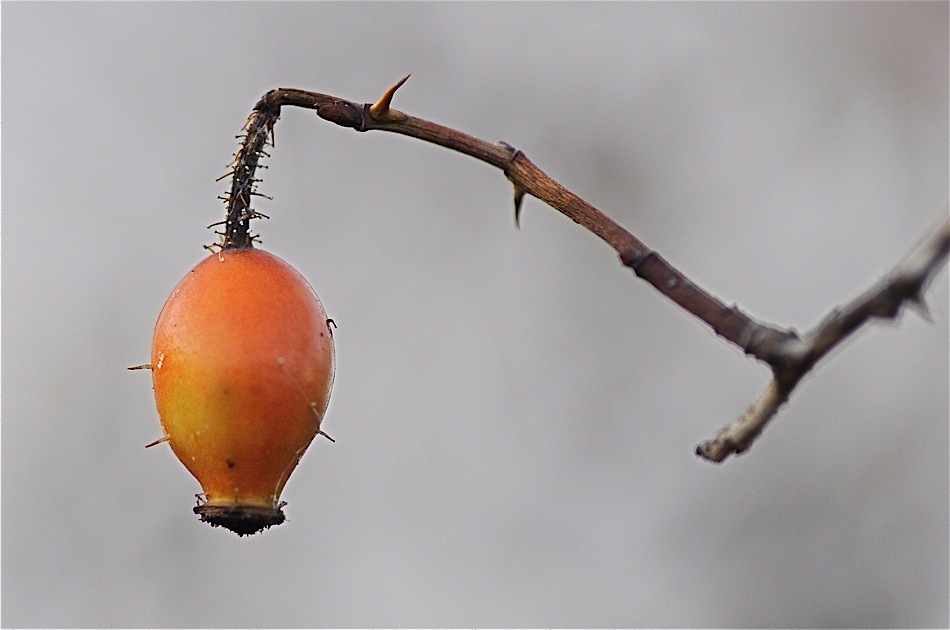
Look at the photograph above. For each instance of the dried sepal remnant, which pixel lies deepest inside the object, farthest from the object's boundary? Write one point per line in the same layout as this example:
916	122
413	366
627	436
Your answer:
243	520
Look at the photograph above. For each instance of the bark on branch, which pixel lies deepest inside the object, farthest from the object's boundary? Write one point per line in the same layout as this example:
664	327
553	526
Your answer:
788	355
906	284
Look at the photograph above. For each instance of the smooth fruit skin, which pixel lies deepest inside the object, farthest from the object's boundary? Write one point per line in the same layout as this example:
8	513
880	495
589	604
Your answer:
242	367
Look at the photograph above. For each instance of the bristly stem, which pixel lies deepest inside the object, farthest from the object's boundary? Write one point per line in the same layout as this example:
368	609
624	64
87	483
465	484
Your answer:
258	132
788	355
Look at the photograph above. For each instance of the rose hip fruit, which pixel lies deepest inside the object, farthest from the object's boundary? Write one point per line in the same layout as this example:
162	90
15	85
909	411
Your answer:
242	367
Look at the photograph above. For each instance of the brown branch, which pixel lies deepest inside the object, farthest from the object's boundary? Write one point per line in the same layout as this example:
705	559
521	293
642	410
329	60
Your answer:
789	356
906	284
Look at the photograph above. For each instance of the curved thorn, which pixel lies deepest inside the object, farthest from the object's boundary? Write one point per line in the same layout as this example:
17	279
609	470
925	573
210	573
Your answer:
519	197
380	109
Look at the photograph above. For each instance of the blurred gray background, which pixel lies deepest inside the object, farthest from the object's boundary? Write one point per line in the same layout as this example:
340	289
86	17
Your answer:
515	413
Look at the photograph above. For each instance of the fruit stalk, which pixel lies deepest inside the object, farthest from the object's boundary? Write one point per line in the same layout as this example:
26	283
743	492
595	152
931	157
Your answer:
258	132
242	360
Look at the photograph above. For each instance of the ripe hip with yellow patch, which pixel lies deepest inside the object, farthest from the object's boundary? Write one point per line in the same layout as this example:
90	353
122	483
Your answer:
242	366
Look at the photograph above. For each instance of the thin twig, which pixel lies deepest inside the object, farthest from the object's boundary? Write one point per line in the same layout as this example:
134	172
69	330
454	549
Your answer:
906	284
788	355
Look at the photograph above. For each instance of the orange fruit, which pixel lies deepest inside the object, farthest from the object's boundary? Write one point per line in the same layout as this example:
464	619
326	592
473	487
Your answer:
242	367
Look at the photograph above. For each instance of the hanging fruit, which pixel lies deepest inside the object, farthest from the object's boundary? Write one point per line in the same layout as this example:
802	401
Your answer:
242	365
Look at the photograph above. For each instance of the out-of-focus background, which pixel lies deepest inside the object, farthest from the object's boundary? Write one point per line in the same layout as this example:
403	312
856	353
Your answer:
515	414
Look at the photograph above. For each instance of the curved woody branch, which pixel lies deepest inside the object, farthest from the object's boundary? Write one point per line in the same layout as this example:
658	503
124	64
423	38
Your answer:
788	355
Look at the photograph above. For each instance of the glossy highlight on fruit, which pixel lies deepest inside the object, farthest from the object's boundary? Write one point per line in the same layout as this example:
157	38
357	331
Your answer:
242	366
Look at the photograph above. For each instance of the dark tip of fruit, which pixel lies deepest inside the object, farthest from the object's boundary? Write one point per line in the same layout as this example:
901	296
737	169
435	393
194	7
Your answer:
243	520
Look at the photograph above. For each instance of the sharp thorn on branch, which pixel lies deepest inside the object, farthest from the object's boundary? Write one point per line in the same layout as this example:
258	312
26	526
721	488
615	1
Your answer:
380	109
919	305
519	198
